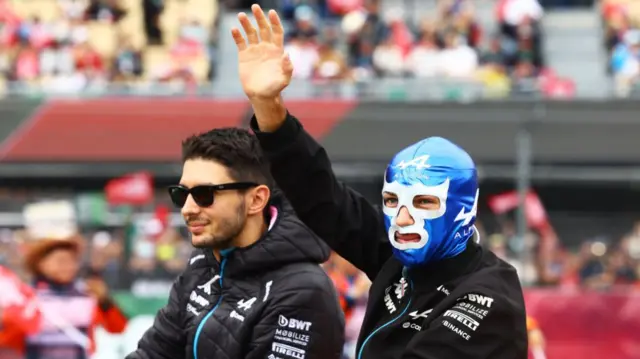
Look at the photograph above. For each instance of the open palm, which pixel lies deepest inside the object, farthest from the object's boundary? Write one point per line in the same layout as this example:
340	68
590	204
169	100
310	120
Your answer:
264	69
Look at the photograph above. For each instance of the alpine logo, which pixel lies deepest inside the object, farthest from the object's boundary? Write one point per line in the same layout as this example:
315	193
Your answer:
415	315
466	217
293	323
207	286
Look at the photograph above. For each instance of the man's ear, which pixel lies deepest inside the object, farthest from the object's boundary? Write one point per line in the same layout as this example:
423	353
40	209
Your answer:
259	199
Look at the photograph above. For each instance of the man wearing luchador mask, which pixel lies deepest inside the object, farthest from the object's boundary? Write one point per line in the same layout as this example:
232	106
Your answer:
436	293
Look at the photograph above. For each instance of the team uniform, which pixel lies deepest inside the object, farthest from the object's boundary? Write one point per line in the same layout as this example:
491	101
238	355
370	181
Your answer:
269	300
441	297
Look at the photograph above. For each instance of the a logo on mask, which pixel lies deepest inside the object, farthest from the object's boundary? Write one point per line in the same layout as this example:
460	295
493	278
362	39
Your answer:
418	163
468	216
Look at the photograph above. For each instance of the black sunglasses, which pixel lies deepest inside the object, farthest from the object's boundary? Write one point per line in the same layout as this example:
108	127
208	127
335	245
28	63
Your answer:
203	195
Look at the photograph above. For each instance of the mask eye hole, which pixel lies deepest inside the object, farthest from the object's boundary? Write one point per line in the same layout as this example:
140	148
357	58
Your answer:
390	200
426	202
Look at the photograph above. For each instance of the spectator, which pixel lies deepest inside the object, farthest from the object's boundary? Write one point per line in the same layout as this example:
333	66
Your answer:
458	16
128	61
105	10
592	270
388	59
457	59
363	41
57	58
303	53
524	80
26	64
331	64
88	60
519	21
192	30
303	25
424	60
625	62
73	9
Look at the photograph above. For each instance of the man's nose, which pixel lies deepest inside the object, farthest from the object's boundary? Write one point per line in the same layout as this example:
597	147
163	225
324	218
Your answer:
404	217
190	207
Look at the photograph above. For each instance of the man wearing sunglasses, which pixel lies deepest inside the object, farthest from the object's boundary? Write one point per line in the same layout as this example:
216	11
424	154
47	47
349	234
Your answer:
253	288
436	294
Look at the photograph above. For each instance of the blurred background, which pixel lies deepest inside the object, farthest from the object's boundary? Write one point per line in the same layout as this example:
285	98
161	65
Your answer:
96	96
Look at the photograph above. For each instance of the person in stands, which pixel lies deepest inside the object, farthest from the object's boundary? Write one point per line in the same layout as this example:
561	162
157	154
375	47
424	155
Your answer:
69	308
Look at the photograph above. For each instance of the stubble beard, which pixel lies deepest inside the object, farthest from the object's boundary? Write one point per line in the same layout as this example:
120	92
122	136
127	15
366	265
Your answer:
229	230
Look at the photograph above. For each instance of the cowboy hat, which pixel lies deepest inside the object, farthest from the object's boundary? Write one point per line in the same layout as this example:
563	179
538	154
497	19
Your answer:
39	249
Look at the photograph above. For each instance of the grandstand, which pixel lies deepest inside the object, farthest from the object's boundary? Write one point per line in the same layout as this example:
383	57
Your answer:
65	46
418	49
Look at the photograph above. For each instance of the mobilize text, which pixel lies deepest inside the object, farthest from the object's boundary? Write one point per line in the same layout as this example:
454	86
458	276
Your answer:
290	336
292	323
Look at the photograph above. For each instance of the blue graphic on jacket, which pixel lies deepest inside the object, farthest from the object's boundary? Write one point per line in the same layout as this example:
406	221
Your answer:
430	200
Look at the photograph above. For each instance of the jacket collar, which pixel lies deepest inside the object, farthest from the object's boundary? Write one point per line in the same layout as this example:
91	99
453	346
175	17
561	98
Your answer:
430	276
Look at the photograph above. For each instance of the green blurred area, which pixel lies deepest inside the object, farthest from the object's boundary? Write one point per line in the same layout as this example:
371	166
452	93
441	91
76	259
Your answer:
133	305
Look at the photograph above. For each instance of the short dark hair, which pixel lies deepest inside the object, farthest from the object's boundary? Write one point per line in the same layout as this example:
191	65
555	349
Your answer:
236	149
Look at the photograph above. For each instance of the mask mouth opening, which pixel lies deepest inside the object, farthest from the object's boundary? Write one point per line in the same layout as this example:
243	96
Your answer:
407	237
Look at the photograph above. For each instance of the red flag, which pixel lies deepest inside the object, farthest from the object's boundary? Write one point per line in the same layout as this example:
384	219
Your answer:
132	189
19	303
535	212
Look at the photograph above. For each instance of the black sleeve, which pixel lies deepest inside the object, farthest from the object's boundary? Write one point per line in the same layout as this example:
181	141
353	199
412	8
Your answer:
301	321
340	216
478	326
165	339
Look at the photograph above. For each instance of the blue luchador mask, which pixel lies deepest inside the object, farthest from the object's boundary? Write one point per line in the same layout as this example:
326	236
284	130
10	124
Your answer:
430	200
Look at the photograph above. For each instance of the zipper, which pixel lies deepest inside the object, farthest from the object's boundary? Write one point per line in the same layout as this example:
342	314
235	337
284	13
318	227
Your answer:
196	338
385	324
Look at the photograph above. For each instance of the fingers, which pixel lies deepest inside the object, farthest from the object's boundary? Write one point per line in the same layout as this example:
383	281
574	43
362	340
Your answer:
287	65
263	24
252	34
239	40
276	28
270	28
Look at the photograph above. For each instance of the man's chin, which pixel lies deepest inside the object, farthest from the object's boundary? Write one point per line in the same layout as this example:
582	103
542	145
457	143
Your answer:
207	242
199	241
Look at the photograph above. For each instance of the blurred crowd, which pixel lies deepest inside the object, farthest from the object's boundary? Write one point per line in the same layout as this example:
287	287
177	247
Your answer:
597	264
360	40
622	41
77	45
70	46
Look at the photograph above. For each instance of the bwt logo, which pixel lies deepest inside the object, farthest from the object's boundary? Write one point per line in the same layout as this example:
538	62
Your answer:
481	299
293	323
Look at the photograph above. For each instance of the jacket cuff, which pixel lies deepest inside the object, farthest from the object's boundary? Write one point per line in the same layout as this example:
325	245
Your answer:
281	138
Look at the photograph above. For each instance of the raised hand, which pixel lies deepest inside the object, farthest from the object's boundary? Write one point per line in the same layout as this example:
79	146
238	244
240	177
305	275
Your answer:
264	69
